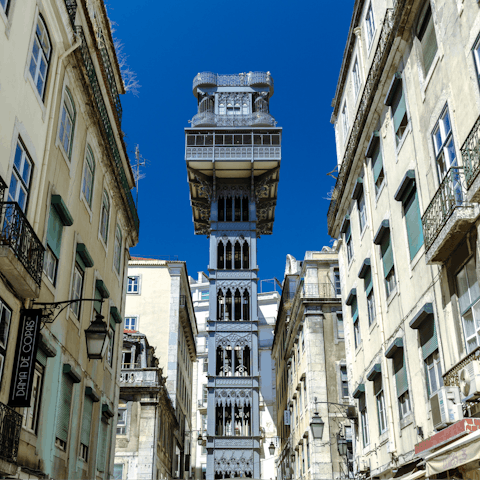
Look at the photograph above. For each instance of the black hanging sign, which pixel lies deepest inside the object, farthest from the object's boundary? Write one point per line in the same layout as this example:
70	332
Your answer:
25	356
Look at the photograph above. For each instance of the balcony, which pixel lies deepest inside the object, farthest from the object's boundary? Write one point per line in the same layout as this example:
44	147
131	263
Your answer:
21	252
106	128
448	217
256	119
250	79
318	290
10	427
471	161
145	377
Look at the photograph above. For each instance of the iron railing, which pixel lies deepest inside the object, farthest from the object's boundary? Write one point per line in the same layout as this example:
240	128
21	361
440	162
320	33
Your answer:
317	290
450	378
450	195
382	51
10	427
18	234
71	6
471	154
3	189
111	82
139	377
236	80
107	126
252	119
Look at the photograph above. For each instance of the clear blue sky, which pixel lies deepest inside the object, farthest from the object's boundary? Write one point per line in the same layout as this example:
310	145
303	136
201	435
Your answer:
168	42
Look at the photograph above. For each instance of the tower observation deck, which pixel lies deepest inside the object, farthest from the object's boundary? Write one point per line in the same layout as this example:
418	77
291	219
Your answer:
233	153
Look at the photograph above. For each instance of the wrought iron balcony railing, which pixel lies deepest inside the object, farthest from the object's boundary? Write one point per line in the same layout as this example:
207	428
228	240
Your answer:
450	378
382	51
471	154
72	10
238	80
317	290
18	234
107	126
451	194
3	189
145	377
252	119
10	427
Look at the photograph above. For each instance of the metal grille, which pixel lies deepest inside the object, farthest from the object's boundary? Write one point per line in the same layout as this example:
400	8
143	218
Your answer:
239	80
3	189
450	194
106	125
257	118
471	154
10	427
385	42
17	233
72	10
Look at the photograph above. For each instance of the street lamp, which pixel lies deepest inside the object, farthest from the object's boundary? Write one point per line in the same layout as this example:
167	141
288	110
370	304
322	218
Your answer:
200	439
342	445
96	337
317	425
271	448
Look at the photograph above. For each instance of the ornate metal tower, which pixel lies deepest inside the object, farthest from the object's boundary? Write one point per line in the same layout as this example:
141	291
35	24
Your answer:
233	153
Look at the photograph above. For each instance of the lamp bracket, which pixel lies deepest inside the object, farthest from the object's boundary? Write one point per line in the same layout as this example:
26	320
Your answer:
51	310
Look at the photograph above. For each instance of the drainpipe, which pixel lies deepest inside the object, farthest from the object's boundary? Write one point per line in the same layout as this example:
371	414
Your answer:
48	144
378	306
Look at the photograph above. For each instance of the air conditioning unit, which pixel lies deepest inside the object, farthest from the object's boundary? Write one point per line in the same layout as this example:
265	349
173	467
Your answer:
446	407
469	378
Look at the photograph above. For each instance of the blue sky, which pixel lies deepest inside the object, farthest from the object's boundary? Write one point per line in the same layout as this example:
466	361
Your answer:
168	42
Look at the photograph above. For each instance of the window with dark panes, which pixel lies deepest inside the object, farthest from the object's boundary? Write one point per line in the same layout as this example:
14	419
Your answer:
427	37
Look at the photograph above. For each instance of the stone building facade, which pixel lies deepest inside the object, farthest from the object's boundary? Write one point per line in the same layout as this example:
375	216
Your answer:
233	153
67	222
268	307
159	304
309	354
144	444
405	209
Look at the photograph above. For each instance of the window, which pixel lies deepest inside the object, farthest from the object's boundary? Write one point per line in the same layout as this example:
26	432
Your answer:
103	440
468	293
340	328
380	401
117	251
67	123
205	295
356	324
364	420
205	365
133	285
86	427
434	373
386	253
476	56
32	413
413	219
63	415
111	346
5	4
345	122
308	455
362	211
204	394
21	175
427	37
444	147
356	79
131	323
88	175
377	168
396	101
122	421
54	245
118	471
370	296
336	282
404	404
77	286
344	381
349	242
104	217
5	318
369	26
401	383
303	459
40	56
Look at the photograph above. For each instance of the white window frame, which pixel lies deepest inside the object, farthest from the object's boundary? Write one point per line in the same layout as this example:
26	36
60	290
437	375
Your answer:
88	177
370	27
434	372
43	55
50	265
77	289
343	380
122	420
444	144
136	323
31	414
404	406
105	213
117	249
371	307
349	246
22	184
364	422
356	333
67	120
391	282
362	212
345	125
356	80
132	284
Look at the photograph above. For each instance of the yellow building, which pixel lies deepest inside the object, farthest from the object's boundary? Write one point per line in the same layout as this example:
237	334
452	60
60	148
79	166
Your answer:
67	222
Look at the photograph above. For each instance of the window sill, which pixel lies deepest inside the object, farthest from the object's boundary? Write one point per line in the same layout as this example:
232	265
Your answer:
406	421
392	295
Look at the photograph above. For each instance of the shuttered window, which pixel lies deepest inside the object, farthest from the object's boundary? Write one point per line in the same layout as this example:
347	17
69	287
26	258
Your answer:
98	305
377	167
102	446
400	371
428	39
55	231
387	254
63	410
86	421
428	337
413	219
399	112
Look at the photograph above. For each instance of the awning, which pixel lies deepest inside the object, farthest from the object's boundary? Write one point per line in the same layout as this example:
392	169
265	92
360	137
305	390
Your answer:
460	452
413	476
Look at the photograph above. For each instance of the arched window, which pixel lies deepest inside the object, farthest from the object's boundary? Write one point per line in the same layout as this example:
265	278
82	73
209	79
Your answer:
88	175
246	256
220	256
228	305
246	305
228	254
238	256
117	251
67	122
206	105
238	305
40	56
261	105
220	305
105	217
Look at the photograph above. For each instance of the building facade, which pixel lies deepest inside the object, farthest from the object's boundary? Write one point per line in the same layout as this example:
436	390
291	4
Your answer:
233	157
67	223
311	370
145	412
267	308
405	209
159	304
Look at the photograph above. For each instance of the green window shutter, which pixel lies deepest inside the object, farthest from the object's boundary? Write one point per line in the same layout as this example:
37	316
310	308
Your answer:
348	232
428	337
377	385
368	282
377	163
400	370
63	409
413	220
98	305
55	231
80	262
387	254
362	402
398	107
41	357
354	309
102	446
429	42
86	421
